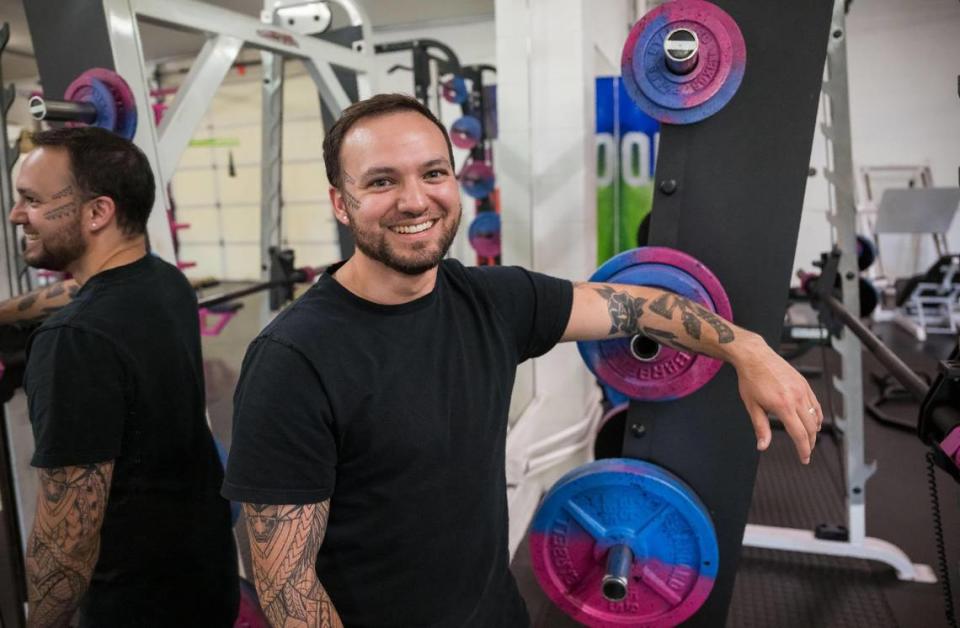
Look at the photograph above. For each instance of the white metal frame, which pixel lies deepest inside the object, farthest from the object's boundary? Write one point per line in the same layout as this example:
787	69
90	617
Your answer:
227	32
850	382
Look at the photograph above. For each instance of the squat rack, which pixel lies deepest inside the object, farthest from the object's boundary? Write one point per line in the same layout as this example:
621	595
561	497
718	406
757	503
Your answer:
850	381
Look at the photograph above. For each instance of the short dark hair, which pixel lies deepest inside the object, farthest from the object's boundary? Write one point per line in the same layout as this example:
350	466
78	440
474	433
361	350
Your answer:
378	105
105	164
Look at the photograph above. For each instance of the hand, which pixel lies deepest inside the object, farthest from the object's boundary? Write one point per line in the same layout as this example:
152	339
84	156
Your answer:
769	385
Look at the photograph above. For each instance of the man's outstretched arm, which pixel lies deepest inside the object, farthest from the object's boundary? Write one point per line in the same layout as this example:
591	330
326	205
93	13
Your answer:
64	543
39	303
768	385
284	541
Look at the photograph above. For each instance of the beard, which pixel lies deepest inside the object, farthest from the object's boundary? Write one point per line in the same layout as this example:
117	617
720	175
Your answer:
58	250
424	256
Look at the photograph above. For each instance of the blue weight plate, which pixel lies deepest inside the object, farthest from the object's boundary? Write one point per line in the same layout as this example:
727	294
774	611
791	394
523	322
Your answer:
628	502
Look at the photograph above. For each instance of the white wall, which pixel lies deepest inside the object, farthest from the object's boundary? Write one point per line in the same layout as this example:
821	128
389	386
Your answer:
903	60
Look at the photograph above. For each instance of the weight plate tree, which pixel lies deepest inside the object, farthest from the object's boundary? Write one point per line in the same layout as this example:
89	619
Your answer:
729	192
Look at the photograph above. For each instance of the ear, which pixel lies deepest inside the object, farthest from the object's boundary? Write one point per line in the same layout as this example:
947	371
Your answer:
101	211
339	207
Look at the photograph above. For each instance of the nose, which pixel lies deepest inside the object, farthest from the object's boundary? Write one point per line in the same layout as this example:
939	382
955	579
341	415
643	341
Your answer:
18	215
413	197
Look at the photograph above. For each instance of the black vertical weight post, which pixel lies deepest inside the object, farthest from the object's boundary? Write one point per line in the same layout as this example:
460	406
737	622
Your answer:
729	191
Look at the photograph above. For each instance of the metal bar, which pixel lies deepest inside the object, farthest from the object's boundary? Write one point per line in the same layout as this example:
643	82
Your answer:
903	373
201	16
843	219
617	579
62	110
194	97
127	50
331	91
236	294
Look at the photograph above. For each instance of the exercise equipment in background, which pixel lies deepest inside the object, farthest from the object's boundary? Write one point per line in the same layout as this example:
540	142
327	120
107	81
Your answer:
484	234
98	97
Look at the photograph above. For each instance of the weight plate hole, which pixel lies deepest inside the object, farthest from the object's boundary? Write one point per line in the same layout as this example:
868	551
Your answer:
644	349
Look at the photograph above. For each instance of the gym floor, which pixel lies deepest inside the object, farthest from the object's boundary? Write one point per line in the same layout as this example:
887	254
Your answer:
773	588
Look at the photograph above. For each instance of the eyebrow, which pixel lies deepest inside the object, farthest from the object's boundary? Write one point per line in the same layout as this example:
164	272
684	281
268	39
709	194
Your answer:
378	170
26	191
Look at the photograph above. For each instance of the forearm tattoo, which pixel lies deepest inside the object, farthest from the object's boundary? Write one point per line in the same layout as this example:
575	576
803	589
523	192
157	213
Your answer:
65	541
61	292
284	541
625	311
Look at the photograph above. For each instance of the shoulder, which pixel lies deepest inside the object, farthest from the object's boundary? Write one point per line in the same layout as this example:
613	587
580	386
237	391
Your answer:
314	313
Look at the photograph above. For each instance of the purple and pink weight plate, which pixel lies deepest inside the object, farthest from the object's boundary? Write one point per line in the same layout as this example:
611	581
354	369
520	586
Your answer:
110	94
637	367
620	501
676	98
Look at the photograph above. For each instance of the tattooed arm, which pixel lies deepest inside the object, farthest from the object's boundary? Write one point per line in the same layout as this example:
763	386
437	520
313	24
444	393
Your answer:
284	541
38	304
65	541
767	383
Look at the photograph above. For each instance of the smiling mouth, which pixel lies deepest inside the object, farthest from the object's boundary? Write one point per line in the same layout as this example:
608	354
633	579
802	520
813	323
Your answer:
417	228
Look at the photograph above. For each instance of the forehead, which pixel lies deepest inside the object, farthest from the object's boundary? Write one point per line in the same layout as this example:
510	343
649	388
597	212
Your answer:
392	139
44	166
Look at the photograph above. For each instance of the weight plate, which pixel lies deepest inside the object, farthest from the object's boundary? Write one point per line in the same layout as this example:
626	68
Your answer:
628	502
638	367
454	90
484	234
684	98
466	132
107	90
249	615
477	179
866	252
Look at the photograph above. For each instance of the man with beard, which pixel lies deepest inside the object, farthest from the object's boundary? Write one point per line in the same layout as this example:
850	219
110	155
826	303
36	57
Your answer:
129	529
370	416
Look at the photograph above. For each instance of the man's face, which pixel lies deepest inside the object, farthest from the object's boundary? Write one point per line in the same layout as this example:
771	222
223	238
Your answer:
399	194
49	210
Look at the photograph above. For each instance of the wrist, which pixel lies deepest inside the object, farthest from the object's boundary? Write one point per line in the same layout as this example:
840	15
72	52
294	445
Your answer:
744	348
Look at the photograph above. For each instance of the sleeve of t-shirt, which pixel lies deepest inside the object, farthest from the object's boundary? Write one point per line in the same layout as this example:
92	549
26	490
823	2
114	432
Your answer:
283	449
74	383
535	306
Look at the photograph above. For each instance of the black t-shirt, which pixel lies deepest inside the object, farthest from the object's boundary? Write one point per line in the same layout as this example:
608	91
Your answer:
117	375
398	415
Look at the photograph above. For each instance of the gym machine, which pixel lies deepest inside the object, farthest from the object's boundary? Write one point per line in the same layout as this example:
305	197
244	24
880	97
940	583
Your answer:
436	63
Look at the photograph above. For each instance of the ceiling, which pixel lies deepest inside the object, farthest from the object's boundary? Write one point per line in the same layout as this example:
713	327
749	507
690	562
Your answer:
160	43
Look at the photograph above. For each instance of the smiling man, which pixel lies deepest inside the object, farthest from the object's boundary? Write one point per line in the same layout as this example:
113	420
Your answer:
129	528
371	415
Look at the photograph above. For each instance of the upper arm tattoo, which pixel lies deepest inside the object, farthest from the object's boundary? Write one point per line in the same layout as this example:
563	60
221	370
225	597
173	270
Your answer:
284	542
65	541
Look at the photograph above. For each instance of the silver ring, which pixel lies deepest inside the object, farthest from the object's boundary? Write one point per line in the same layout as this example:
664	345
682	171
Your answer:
812	410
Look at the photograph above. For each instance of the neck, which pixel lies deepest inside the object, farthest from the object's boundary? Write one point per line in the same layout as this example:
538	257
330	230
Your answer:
375	282
99	259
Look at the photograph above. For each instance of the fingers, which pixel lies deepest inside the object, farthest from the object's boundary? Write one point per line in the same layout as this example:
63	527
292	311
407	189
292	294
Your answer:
798	433
761	426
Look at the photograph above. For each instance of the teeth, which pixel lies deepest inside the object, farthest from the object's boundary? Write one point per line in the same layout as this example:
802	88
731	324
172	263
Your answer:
423	226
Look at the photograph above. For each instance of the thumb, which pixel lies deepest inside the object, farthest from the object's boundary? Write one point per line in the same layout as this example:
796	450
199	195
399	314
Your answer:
761	425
